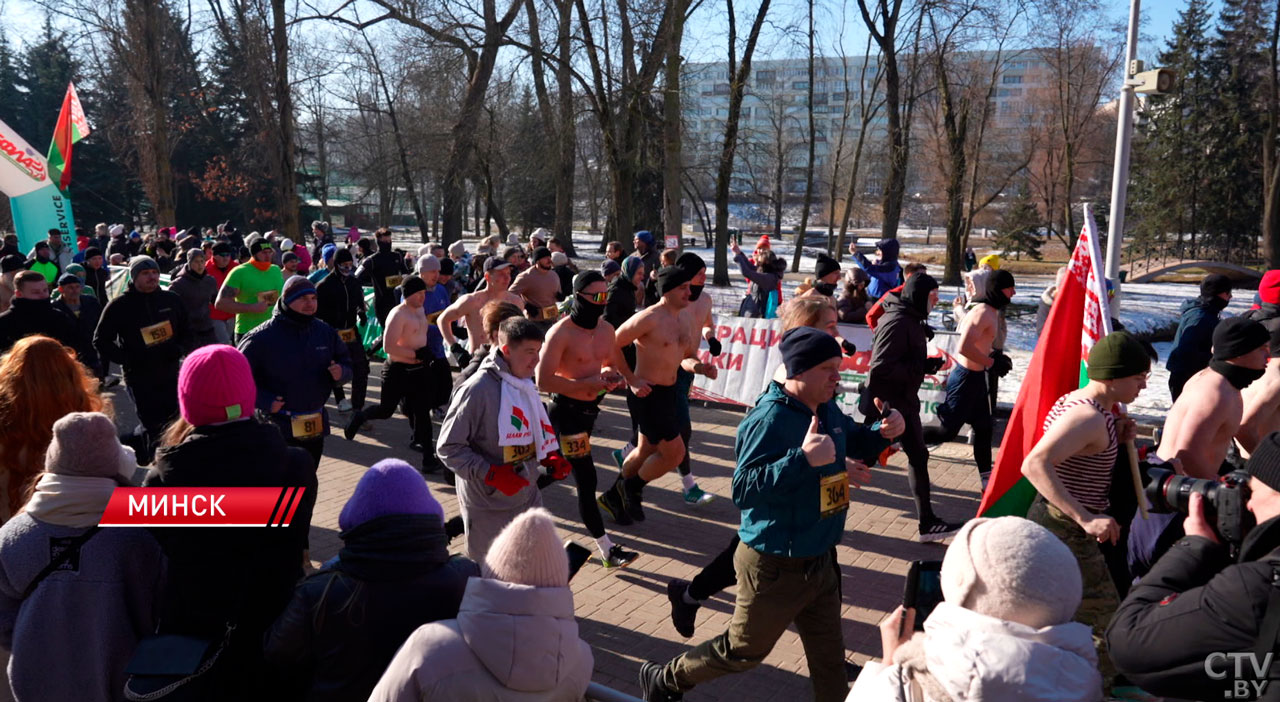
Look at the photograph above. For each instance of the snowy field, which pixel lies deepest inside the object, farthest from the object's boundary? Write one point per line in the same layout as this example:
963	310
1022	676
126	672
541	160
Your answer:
1146	307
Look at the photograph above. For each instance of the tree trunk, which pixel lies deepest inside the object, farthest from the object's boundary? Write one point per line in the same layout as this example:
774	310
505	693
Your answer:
405	173
286	185
808	177
671	139
1270	167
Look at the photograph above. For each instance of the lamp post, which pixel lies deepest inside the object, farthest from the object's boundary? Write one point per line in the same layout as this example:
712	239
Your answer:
1124	135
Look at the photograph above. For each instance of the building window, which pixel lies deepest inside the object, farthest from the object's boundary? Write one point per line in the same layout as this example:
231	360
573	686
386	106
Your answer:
721	89
766	76
800	85
1012	80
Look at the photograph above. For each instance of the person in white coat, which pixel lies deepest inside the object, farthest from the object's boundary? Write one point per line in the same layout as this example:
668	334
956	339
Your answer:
1002	632
515	638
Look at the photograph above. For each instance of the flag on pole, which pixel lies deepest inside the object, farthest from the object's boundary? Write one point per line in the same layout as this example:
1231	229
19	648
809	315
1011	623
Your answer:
72	127
1080	316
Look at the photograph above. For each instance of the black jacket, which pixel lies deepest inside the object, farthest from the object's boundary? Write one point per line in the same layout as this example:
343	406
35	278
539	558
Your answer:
339	301
1194	602
85	321
1268	315
290	356
98	278
621	303
221	574
1193	342
898	352
383	267
345	624
120	337
27	317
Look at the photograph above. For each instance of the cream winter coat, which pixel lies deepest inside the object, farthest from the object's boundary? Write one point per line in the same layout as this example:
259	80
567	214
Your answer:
971	657
510	643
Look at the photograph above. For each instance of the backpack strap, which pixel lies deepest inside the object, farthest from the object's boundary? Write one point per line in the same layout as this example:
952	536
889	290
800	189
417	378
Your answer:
72	548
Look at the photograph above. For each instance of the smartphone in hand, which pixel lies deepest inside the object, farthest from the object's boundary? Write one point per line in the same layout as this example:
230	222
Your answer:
923	591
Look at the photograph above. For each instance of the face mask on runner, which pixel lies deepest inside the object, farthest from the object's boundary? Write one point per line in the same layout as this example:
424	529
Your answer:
347	268
695	291
585	314
828	289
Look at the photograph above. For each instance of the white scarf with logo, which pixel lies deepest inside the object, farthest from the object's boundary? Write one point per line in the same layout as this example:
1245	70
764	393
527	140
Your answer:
522	420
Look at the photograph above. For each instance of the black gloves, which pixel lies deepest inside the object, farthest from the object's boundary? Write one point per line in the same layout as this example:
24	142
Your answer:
848	348
933	364
714	345
928	331
424	354
460	352
1003	364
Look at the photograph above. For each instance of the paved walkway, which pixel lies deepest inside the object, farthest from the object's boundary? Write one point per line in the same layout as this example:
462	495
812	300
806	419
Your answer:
624	615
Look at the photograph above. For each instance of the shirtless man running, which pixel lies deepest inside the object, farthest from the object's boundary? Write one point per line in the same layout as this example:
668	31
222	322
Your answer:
967	397
1261	404
579	364
661	339
404	375
1207	415
497	276
698	318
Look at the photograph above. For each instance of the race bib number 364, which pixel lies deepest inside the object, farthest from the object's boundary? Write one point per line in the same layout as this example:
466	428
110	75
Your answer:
833	494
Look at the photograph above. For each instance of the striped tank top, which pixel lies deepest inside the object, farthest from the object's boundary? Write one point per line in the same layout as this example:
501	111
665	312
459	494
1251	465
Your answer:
1087	478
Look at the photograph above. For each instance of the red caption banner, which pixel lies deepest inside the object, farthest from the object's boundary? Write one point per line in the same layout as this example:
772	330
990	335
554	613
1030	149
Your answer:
211	506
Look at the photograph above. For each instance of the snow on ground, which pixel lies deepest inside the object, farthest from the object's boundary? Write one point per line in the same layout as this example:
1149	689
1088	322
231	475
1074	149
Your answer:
1147	307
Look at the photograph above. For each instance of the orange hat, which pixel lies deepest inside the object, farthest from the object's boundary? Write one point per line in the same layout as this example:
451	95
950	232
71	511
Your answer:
763	242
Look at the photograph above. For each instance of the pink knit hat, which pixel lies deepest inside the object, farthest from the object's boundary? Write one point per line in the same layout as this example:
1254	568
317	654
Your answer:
215	385
528	552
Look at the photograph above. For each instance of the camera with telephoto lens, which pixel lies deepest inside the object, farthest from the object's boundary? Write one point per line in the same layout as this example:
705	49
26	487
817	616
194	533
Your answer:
1224	500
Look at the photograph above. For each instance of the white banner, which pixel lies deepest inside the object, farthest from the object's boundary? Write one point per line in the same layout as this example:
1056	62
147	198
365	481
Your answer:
22	168
750	356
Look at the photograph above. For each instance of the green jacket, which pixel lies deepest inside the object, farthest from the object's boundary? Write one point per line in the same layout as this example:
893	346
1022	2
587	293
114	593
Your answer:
781	496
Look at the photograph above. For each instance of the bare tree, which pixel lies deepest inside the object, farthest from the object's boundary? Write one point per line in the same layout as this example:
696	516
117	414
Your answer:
884	23
808	173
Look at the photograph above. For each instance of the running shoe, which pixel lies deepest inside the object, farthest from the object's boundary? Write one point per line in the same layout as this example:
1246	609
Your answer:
618	455
631	502
697	496
344	406
415	446
683	614
937	530
651	687
611	503
353	426
618	557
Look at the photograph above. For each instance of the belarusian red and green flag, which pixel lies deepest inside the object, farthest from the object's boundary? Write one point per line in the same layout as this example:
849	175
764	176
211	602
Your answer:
72	127
1080	316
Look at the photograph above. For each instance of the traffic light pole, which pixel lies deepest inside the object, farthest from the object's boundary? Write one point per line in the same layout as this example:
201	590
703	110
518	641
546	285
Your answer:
1120	174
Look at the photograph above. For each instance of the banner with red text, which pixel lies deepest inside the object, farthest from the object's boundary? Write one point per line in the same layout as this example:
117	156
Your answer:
750	357
211	506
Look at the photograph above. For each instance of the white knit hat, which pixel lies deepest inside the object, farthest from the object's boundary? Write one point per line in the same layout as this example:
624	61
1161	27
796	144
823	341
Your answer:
558	258
457	248
528	552
1012	569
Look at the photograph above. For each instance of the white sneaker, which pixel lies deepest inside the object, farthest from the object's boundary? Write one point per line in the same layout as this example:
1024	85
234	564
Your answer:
344	406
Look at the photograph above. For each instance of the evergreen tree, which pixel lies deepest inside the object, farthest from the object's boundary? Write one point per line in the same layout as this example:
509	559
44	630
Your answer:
1170	155
1236	125
1020	228
10	98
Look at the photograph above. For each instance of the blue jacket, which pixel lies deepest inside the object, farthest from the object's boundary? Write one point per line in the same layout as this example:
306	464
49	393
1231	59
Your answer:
774	485
290	359
1193	342
885	275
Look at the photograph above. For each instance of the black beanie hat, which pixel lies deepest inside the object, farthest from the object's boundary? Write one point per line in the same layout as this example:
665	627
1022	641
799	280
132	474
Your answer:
826	266
11	263
1214	284
1264	462
540	253
412	284
670	278
1236	336
805	347
342	256
585	278
691	262
91	252
1117	355
446	266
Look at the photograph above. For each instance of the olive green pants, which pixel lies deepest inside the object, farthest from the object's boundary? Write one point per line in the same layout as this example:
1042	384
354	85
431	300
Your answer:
774	591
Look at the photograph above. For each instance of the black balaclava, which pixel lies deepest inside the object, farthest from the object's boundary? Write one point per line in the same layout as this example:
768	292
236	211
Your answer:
1213	285
994	293
1232	338
915	293
828	289
340	257
692	264
583	312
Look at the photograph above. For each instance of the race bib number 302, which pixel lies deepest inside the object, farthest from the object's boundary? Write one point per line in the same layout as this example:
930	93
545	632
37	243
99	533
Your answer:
833	494
517	454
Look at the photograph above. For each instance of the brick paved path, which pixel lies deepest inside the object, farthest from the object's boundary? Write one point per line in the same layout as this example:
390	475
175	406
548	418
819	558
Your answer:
624	616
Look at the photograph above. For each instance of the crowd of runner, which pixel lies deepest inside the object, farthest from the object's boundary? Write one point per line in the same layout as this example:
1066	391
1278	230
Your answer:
231	361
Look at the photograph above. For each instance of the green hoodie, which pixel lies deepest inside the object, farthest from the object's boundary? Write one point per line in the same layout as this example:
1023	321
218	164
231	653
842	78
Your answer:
779	493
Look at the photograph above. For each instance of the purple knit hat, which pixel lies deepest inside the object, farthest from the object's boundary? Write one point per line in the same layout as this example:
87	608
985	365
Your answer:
391	486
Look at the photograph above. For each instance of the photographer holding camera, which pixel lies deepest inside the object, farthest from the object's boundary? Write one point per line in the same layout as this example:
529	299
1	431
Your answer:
1188	629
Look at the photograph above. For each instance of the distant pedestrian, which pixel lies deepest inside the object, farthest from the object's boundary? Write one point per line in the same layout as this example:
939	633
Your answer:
1192	343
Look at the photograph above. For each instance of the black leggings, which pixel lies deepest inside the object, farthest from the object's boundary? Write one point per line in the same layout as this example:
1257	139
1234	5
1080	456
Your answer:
967	402
570	416
912	442
359	376
411	383
717	575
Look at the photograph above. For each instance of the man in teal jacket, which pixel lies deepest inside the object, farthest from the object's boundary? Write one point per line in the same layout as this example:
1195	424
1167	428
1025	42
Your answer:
798	458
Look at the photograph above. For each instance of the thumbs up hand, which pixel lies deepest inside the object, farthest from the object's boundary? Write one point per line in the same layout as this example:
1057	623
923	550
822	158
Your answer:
818	448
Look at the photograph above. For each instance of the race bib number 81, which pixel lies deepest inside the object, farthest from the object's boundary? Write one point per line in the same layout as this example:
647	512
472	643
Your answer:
307	426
